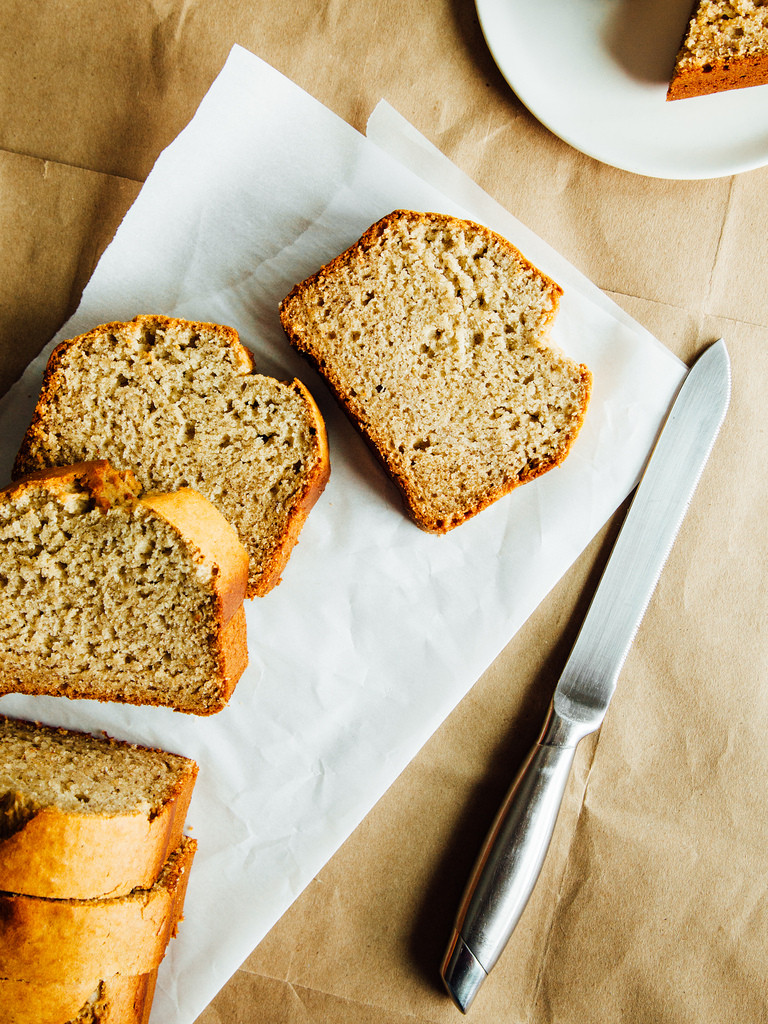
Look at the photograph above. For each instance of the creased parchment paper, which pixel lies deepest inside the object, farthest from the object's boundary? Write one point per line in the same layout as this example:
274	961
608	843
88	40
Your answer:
378	629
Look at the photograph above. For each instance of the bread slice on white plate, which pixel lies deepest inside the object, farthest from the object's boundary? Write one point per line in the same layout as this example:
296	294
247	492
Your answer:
725	46
432	334
113	595
85	816
179	404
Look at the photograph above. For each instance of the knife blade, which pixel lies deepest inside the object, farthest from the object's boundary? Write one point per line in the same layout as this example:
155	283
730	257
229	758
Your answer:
513	854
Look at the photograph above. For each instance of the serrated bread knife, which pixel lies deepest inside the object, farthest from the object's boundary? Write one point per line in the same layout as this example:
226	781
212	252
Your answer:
514	851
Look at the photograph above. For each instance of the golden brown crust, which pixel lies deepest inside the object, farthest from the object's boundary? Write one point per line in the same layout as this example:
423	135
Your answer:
46	940
232	659
62	855
202	525
724	47
107	486
121	1000
719	76
314	485
220	546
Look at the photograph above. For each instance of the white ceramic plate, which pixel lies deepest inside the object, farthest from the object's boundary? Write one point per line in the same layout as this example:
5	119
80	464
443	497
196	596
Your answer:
595	72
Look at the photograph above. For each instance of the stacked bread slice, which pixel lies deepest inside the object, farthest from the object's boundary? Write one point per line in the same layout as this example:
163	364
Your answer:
111	594
93	871
180	404
160	482
118	1000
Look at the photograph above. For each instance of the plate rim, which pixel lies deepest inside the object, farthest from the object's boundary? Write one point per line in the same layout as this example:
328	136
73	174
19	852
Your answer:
688	172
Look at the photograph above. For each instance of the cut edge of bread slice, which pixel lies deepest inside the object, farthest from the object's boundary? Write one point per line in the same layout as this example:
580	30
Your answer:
85	816
180	530
324	318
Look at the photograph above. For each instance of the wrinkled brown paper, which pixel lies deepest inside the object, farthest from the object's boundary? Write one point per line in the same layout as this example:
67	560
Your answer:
652	903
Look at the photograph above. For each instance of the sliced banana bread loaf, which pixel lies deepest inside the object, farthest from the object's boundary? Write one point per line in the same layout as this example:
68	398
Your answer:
430	332
49	941
180	405
725	47
109	595
84	816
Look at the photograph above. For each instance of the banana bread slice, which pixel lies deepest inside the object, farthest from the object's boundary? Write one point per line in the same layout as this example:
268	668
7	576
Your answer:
83	816
179	404
118	1000
430	332
109	595
725	47
46	941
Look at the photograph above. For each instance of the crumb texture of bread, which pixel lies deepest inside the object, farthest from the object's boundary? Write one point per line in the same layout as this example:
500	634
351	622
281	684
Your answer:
725	47
45	941
104	597
430	331
117	1000
83	816
179	403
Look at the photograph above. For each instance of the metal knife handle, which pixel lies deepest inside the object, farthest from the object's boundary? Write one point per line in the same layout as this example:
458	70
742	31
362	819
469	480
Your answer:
511	860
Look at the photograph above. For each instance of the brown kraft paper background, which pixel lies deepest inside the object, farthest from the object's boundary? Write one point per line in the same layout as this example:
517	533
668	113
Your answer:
652	903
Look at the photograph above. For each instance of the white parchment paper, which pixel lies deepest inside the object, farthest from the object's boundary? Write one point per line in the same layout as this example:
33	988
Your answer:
377	629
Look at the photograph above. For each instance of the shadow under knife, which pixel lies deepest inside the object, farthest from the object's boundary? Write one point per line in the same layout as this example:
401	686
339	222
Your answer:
434	922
